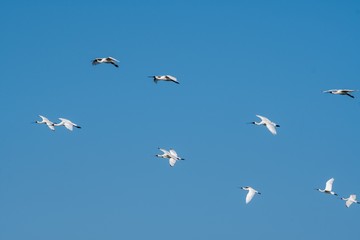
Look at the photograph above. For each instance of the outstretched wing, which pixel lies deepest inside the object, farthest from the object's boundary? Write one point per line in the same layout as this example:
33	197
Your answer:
329	184
51	126
164	151
172	151
112	59
271	128
348	203
113	63
172	161
263	118
347	90
69	126
250	195
169	77
44	118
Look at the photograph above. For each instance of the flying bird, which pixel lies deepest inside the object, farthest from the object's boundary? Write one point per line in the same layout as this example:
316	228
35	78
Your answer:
341	92
350	200
328	187
269	124
250	194
110	60
67	123
46	121
164	78
171	155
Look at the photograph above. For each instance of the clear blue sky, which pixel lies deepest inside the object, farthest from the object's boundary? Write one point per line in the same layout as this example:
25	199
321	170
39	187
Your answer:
234	59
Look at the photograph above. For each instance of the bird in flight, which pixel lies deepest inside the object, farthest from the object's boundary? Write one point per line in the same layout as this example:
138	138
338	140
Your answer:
341	92
328	187
350	200
46	121
171	155
250	194
269	124
66	123
110	60
164	78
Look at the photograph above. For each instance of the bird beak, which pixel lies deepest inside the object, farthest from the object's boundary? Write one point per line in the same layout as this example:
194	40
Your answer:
250	122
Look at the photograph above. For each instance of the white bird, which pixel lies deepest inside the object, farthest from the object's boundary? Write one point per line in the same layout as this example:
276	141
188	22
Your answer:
67	123
171	155
164	78
328	187
250	194
350	200
269	124
110	60
341	92
46	121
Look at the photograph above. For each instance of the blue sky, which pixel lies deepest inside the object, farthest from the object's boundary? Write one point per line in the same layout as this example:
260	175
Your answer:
233	60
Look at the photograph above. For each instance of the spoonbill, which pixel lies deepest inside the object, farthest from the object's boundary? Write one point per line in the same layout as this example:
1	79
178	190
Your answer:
171	155
46	121
164	78
250	194
67	123
328	187
350	200
341	92
110	60
269	124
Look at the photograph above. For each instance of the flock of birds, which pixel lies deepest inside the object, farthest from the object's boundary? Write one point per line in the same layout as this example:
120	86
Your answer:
173	156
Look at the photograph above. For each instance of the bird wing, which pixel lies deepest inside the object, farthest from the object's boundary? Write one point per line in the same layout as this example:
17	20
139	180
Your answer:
353	197
250	195
263	118
172	151
113	63
50	126
271	128
172	161
347	90
329	184
171	77
348	203
69	125
112	59
44	118
164	151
